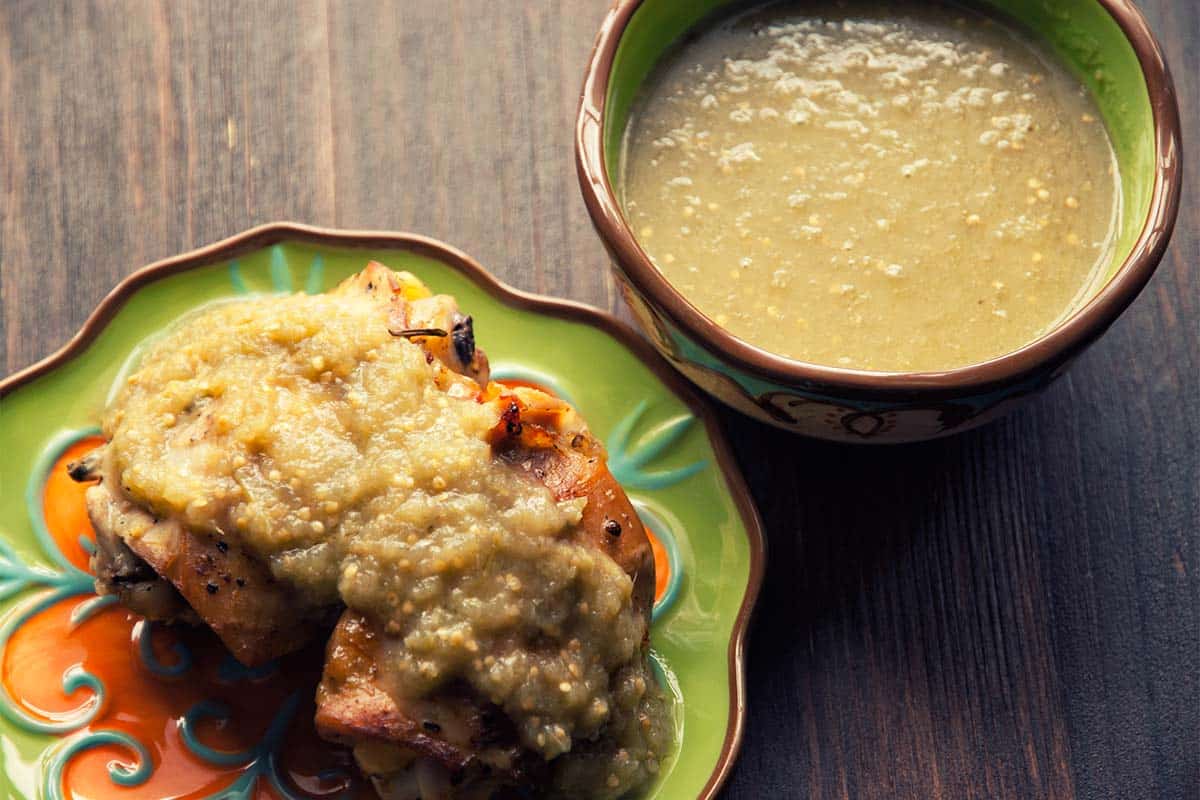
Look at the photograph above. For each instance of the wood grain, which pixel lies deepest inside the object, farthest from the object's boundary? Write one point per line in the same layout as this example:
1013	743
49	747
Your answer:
1013	613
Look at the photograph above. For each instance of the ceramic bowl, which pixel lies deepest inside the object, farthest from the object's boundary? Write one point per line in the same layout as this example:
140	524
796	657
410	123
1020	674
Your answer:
96	703
1108	44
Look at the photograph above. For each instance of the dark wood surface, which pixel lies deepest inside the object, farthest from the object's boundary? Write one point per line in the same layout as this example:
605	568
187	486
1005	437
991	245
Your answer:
1014	612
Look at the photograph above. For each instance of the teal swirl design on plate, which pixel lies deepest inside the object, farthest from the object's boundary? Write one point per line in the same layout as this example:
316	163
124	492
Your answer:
143	634
280	273
628	460
281	276
60	584
666	537
65	582
120	773
260	762
232	670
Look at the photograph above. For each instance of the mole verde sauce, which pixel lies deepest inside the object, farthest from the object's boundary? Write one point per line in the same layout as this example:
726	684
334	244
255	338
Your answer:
301	427
880	186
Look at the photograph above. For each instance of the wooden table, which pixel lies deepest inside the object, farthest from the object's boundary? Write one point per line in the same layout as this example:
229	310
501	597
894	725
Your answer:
1014	612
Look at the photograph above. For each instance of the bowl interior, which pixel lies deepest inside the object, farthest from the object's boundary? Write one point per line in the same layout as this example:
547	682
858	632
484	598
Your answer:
1082	33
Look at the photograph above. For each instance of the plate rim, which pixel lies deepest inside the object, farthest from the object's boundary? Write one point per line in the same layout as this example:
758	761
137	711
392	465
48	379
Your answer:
272	233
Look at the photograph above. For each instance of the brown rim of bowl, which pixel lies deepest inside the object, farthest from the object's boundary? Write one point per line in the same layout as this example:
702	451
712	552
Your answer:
1059	344
275	233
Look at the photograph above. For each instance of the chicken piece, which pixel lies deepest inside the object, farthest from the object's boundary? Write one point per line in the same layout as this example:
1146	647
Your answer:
164	570
420	749
411	746
159	568
413	750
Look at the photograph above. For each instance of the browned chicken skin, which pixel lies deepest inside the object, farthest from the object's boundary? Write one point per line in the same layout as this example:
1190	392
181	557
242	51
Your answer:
169	573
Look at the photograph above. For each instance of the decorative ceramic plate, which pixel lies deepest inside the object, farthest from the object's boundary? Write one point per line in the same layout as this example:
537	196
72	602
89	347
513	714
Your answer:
96	703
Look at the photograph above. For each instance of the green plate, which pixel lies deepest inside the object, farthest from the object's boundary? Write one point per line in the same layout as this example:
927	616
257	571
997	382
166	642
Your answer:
664	447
